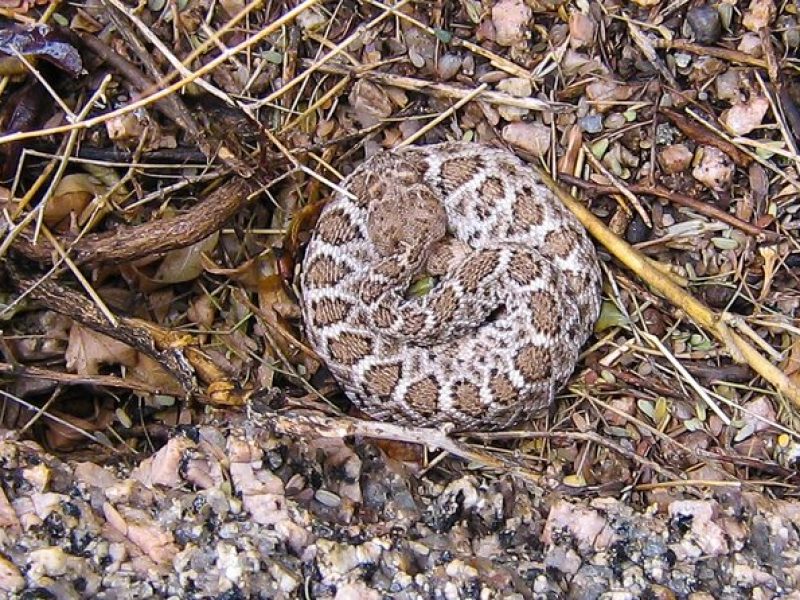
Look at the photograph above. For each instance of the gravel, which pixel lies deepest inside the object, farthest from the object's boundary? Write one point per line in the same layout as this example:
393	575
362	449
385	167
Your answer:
236	511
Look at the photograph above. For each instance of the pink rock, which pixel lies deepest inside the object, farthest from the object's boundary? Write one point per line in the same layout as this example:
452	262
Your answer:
8	517
588	526
163	467
715	170
744	117
581	30
94	475
11	580
511	20
705	532
675	158
147	534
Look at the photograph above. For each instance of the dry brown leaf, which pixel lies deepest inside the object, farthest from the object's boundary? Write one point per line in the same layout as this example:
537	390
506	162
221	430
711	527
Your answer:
72	194
247	273
87	350
370	103
64	438
185	264
532	138
791	366
148	371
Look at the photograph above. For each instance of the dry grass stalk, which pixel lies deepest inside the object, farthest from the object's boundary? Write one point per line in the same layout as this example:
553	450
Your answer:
737	346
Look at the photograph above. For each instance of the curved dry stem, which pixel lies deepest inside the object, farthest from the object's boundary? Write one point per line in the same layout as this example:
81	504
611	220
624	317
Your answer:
739	348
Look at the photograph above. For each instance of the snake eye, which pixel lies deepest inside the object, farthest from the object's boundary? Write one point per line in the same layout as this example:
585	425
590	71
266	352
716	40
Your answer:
497	314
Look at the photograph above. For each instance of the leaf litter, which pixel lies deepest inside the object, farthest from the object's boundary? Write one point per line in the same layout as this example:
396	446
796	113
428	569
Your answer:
163	166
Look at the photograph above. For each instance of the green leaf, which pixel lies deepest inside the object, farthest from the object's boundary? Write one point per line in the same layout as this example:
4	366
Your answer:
610	316
599	148
442	35
421	287
693	424
647	408
273	56
574	481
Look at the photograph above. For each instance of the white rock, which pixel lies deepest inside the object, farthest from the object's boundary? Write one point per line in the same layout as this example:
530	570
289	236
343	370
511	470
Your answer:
356	591
50	562
704	532
751	44
589	527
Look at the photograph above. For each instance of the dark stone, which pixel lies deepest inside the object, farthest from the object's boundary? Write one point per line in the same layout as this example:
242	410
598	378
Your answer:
637	231
705	23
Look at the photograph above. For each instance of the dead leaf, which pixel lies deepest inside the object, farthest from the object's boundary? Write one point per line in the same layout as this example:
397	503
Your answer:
185	264
64	438
148	371
370	102
41	41
72	194
87	350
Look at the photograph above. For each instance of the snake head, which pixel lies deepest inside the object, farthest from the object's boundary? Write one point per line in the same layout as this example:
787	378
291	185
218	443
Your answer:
406	222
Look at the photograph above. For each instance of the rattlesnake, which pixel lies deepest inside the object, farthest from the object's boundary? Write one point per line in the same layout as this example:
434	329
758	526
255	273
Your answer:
517	287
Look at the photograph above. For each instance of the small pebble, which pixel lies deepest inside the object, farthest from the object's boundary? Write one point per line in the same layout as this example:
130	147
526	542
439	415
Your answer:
591	123
637	230
581	30
715	170
327	498
743	118
516	86
448	66
759	14
511	21
791	32
615	121
718	296
533	138
751	44
727	85
675	158
705	23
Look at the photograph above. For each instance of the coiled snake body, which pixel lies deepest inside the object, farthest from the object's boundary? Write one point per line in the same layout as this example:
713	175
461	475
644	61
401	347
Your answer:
517	287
